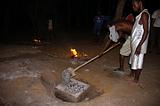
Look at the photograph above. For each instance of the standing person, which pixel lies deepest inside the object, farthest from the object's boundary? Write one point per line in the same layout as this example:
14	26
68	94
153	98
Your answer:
139	39
125	49
50	30
155	32
98	24
119	31
51	34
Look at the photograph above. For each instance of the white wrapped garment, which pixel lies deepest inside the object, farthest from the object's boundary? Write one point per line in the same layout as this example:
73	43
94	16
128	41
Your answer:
136	36
113	34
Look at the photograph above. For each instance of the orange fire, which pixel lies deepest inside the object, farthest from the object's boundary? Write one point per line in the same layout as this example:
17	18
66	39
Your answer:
74	52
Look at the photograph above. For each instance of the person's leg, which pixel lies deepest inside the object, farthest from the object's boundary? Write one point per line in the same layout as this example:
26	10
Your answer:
98	34
124	51
157	39
94	31
132	73
130	76
121	62
137	75
152	39
137	65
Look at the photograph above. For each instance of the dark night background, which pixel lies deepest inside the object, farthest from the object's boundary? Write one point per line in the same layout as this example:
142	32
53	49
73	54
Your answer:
18	16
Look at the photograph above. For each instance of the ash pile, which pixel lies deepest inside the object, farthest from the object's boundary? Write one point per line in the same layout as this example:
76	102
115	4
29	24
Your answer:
73	91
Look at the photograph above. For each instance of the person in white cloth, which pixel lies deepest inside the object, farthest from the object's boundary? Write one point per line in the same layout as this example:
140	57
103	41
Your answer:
139	39
155	32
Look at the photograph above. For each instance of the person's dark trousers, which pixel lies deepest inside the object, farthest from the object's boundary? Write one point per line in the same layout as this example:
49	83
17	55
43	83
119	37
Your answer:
155	39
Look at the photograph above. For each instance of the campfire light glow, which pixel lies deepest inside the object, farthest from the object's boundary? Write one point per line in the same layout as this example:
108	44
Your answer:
74	52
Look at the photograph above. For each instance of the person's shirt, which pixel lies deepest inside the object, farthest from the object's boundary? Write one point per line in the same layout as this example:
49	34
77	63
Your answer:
156	16
50	24
98	20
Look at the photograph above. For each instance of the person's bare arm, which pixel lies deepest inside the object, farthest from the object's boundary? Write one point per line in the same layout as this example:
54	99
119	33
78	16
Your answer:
144	22
124	27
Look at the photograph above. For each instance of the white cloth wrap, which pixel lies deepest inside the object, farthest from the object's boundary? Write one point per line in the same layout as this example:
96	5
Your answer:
113	34
126	48
136	36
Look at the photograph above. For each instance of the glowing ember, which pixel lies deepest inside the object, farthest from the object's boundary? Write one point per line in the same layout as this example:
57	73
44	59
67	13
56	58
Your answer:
74	52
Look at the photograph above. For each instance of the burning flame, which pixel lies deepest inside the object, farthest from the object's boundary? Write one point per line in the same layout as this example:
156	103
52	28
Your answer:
74	52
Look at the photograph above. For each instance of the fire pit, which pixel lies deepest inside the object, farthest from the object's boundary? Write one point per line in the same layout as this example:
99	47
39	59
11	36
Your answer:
77	58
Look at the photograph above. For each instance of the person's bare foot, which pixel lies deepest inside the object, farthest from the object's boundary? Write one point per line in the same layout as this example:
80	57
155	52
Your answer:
135	83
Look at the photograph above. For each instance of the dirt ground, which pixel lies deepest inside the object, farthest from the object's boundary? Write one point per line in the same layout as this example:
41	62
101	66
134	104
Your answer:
24	69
